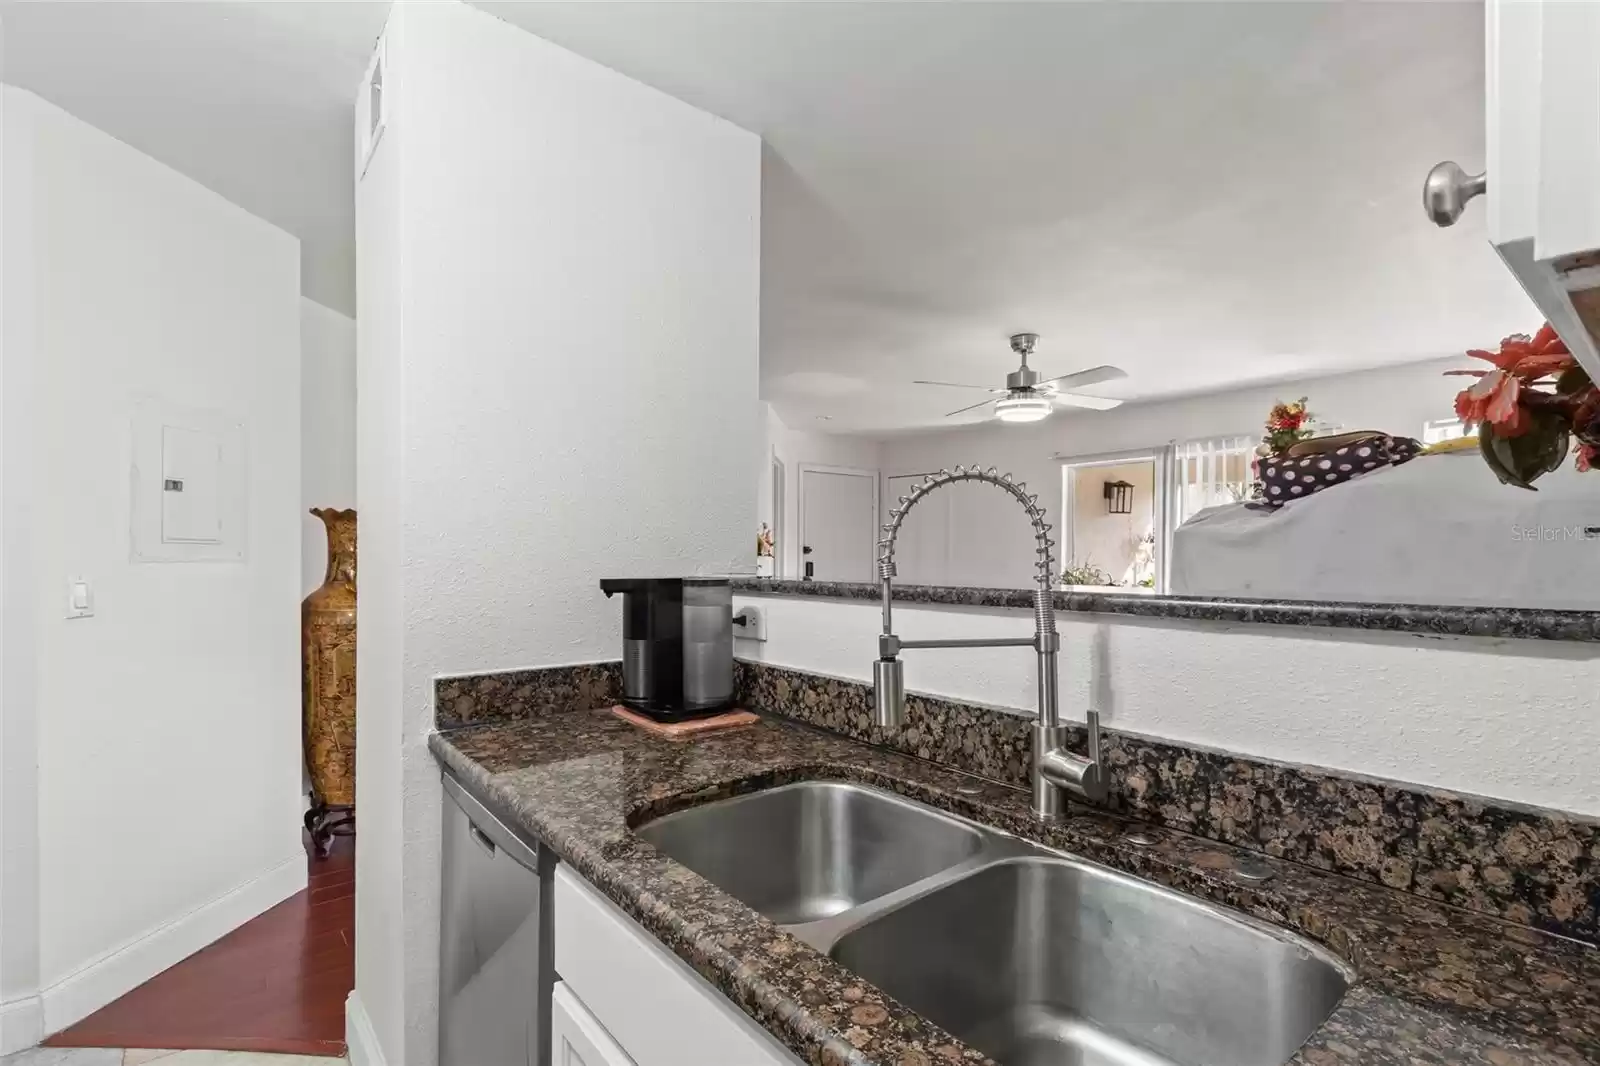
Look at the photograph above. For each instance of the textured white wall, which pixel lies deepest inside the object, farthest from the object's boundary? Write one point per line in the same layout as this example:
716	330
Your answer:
1396	399
125	280
1510	719
381	719
327	428
578	283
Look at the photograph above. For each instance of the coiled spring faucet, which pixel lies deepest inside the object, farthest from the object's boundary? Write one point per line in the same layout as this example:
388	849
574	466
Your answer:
1056	769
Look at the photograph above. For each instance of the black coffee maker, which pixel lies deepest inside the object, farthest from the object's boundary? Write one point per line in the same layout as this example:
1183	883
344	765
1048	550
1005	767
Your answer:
677	645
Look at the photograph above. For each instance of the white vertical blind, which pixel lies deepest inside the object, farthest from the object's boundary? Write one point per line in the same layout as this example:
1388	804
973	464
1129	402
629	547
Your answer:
1443	429
1210	472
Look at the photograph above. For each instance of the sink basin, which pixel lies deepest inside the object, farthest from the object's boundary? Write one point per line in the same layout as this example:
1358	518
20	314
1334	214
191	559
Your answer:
803	852
1043	960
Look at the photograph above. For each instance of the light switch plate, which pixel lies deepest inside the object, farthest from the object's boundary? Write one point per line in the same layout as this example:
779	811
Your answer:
80	598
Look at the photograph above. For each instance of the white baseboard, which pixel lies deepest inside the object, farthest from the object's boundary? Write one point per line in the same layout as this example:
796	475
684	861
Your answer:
21	1024
103	979
359	1037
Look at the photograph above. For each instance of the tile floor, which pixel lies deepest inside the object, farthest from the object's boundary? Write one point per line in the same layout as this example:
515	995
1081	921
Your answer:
102	1056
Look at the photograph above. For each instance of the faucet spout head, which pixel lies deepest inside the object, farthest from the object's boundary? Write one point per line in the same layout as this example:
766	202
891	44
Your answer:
889	693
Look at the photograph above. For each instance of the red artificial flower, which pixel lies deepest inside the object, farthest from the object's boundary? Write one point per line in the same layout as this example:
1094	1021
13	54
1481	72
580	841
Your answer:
1588	457
1521	360
1287	416
1529	358
1493	399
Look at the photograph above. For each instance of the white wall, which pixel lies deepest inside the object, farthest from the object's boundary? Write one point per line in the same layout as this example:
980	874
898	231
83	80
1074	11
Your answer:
21	1015
797	448
327	429
382	719
1396	399
167	734
575	259
1510	719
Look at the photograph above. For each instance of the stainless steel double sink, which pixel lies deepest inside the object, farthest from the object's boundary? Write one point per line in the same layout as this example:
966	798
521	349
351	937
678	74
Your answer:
1027	954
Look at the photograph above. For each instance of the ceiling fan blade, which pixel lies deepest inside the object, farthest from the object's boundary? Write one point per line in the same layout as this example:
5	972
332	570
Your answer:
1095	375
955	385
970	407
1078	399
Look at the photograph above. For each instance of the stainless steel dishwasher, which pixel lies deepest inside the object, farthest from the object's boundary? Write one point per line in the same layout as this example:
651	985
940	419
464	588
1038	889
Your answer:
496	958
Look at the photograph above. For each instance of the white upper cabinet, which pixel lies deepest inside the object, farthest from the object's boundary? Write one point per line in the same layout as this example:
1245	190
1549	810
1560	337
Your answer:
1542	180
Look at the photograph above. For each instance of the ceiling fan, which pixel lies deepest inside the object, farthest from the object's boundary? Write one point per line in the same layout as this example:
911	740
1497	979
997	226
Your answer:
1027	399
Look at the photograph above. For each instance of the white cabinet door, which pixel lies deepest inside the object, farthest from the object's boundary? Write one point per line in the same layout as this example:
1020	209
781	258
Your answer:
647	999
576	1038
1543	161
1513	33
1569	130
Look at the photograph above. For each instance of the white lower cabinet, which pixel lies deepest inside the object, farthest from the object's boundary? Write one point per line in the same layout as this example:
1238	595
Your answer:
642	1004
577	1038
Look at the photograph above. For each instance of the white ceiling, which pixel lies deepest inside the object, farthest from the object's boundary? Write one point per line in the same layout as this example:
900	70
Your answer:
252	99
1202	193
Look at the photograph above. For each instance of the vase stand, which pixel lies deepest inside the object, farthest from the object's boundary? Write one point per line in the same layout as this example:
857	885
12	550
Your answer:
325	821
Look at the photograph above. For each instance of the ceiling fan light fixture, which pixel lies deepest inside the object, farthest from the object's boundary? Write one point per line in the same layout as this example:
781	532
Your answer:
1022	405
1027	399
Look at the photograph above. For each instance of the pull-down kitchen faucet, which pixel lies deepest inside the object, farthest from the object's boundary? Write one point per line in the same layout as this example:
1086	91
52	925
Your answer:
1056	770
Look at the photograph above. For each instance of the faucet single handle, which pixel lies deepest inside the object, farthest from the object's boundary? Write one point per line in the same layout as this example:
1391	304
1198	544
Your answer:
1058	769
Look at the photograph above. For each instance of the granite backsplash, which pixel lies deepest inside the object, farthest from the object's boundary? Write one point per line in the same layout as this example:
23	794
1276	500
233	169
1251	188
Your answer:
1531	866
1527	865
472	699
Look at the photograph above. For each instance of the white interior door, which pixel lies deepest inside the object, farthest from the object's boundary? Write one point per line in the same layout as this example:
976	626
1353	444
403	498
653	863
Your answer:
922	548
838	523
780	519
991	540
966	533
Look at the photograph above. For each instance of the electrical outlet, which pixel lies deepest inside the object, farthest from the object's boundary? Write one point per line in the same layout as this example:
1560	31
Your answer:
755	624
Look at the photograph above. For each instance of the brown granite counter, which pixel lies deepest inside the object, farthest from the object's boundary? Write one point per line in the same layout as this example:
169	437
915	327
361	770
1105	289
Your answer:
1435	985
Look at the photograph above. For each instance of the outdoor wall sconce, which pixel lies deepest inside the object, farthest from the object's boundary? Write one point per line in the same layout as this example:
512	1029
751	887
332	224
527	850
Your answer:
1119	497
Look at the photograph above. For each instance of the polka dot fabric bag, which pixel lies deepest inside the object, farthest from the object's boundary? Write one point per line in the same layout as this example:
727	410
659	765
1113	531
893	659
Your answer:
1313	465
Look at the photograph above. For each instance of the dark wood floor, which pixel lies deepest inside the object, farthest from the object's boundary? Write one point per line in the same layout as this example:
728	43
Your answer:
277	983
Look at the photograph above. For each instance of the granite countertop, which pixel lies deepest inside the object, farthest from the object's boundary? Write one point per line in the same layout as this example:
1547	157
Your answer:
1435	985
1524	623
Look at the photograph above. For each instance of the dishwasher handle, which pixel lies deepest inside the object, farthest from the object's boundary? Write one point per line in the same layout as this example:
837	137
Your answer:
489	832
480	838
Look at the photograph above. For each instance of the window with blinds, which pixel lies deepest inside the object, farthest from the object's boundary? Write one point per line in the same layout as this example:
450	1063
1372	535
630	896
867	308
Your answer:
1211	472
1440	430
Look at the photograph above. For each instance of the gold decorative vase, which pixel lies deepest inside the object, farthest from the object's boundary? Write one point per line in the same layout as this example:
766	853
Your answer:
328	660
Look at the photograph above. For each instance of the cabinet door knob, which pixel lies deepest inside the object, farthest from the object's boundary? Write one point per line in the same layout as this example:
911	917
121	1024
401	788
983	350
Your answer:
1446	192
